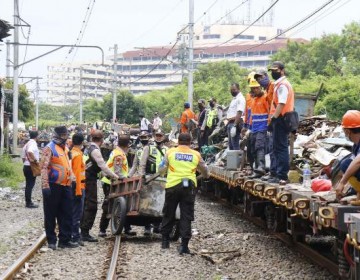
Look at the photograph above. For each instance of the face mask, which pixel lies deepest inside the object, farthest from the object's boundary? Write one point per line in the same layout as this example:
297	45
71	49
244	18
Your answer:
264	82
200	107
234	93
144	142
275	75
158	142
212	105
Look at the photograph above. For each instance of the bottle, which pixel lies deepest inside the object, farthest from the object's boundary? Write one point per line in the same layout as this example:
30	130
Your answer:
307	176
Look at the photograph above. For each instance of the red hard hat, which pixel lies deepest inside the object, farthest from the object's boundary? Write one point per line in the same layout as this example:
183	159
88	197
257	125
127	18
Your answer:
321	185
351	119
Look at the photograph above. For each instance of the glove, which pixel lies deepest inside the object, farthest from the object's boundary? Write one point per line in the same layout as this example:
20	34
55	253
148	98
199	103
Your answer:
233	131
46	192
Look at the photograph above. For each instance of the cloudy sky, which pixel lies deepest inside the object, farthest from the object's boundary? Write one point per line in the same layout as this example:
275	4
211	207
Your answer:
143	23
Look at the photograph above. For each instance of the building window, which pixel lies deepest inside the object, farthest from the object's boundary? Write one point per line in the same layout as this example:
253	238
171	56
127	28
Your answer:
211	36
262	38
244	37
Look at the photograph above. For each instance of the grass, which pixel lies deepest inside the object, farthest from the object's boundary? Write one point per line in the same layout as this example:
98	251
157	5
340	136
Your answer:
10	172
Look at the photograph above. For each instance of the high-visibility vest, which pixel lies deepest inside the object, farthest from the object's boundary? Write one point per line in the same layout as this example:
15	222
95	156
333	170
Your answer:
248	100
289	105
183	162
78	169
259	114
117	154
59	169
157	156
212	114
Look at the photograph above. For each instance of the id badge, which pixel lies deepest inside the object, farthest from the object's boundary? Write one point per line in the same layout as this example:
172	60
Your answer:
185	182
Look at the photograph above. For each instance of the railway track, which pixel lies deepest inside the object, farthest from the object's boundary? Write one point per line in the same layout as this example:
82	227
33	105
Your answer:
20	262
300	247
111	274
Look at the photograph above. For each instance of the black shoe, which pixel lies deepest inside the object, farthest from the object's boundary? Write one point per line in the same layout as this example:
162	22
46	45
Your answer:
79	241
69	244
165	244
87	237
31	205
255	176
156	230
183	250
274	180
52	246
260	171
102	234
267	177
147	232
130	233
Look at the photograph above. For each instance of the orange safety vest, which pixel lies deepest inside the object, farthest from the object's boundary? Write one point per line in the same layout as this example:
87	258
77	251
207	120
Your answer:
269	92
248	98
59	169
259	113
78	167
186	116
289	105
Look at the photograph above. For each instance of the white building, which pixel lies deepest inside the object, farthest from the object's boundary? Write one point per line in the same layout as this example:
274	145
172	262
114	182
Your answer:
156	68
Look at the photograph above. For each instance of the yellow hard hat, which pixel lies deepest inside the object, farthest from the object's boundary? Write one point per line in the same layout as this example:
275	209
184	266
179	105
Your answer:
251	76
253	83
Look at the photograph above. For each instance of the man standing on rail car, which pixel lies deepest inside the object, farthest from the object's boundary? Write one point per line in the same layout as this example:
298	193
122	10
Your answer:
56	178
186	124
351	166
78	186
157	123
94	164
262	78
283	102
181	164
234	113
118	163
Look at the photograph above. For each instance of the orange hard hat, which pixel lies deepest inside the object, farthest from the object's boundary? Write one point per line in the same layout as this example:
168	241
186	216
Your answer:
351	119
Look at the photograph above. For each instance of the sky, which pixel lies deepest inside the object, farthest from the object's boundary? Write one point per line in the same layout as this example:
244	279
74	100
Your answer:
144	23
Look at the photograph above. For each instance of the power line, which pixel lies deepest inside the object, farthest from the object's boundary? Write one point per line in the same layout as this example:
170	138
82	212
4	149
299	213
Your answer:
207	10
289	28
242	32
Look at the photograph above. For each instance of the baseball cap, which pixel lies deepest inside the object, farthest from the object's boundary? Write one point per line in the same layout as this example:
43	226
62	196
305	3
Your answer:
277	65
201	101
261	72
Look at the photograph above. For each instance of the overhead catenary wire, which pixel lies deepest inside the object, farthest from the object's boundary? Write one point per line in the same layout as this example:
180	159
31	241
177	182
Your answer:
247	28
206	11
287	29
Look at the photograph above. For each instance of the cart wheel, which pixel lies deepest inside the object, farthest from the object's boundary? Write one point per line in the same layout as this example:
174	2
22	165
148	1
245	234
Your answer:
175	232
118	215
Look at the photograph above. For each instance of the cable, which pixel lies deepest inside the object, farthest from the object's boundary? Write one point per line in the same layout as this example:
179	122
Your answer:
228	13
325	13
147	32
26	49
287	29
237	35
204	13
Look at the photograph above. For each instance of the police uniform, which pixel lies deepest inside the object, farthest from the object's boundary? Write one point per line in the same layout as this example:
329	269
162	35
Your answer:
181	164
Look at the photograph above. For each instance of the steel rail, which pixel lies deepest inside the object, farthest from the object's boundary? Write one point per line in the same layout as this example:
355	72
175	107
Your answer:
300	247
18	264
111	275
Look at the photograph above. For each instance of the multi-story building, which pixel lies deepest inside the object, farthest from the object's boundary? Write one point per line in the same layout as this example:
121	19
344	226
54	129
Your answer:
155	68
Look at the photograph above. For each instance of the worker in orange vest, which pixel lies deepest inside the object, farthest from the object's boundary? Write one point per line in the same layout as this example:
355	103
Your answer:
187	115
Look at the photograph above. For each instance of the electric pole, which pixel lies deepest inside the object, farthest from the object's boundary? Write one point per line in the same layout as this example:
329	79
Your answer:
114	82
16	75
37	104
191	52
81	96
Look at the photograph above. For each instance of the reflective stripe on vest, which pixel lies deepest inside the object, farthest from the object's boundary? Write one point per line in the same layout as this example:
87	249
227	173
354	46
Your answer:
260	114
154	152
59	169
183	162
117	152
212	113
289	106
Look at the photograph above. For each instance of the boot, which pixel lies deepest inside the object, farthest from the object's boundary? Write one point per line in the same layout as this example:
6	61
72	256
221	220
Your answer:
184	249
165	243
260	162
85	236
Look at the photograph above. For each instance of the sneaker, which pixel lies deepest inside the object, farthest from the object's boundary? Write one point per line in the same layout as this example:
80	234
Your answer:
274	180
130	233
267	177
31	205
102	234
69	244
255	176
79	241
183	250
52	246
87	237
147	232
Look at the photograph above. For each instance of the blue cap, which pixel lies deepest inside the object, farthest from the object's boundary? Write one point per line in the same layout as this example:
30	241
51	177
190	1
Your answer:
187	105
